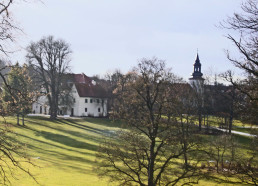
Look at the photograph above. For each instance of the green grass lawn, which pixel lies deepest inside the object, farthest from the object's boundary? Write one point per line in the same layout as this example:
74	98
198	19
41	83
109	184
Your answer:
214	121
237	124
64	150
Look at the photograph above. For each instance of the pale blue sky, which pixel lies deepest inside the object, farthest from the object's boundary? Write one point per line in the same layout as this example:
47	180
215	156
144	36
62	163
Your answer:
114	34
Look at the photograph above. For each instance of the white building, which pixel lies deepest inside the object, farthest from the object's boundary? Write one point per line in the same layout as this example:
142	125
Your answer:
89	99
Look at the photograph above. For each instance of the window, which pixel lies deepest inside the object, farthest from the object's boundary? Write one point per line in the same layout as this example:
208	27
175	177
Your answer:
98	109
86	110
86	100
97	100
74	100
90	100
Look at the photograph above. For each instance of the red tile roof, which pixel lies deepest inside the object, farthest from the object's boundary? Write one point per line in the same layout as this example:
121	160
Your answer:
90	90
81	78
86	87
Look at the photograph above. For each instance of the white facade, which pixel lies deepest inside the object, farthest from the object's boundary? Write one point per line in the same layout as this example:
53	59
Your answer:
82	106
197	84
41	106
87	106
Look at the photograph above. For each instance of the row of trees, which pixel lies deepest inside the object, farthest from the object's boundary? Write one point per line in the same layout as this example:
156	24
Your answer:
154	103
161	144
146	100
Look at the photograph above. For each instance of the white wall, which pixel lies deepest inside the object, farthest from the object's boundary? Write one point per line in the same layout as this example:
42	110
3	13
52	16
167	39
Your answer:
197	84
41	106
97	108
92	108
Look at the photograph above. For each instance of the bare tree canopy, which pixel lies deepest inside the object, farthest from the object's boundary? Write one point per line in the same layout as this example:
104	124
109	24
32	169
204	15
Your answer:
146	100
7	26
50	59
12	154
246	24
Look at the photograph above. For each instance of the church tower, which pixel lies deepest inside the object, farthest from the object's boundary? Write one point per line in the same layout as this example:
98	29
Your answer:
197	80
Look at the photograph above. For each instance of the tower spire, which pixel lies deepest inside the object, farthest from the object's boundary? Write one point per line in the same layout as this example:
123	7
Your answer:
197	74
197	80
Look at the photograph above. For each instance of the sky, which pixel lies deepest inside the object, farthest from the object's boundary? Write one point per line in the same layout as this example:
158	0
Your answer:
105	35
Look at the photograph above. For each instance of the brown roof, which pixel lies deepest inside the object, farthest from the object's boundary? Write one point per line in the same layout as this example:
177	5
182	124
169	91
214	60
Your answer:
81	78
85	86
90	90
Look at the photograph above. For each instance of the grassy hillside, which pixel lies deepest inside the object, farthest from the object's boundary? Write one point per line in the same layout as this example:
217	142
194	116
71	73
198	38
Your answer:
63	150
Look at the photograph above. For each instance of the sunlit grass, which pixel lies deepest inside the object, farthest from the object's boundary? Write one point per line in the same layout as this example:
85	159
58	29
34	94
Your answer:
64	151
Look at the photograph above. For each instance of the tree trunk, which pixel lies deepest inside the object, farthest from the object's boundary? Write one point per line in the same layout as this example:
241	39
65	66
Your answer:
53	110
200	120
207	123
18	119
230	122
184	142
151	164
23	120
185	155
231	112
51	107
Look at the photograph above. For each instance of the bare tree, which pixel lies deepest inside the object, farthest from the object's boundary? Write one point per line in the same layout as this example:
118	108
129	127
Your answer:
148	153
113	81
50	59
230	161
246	24
11	153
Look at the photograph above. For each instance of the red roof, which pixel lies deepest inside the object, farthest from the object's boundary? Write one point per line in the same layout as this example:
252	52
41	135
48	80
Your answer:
90	90
86	87
81	78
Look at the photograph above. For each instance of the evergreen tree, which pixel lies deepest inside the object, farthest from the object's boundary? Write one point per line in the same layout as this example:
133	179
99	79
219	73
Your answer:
17	95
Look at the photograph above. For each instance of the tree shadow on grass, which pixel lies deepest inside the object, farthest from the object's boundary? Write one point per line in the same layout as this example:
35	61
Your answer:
54	152
66	140
104	122
98	121
87	128
73	124
46	143
71	132
66	166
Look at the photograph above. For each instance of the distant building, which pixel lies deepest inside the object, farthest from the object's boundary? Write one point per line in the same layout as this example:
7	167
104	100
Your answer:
196	81
88	99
